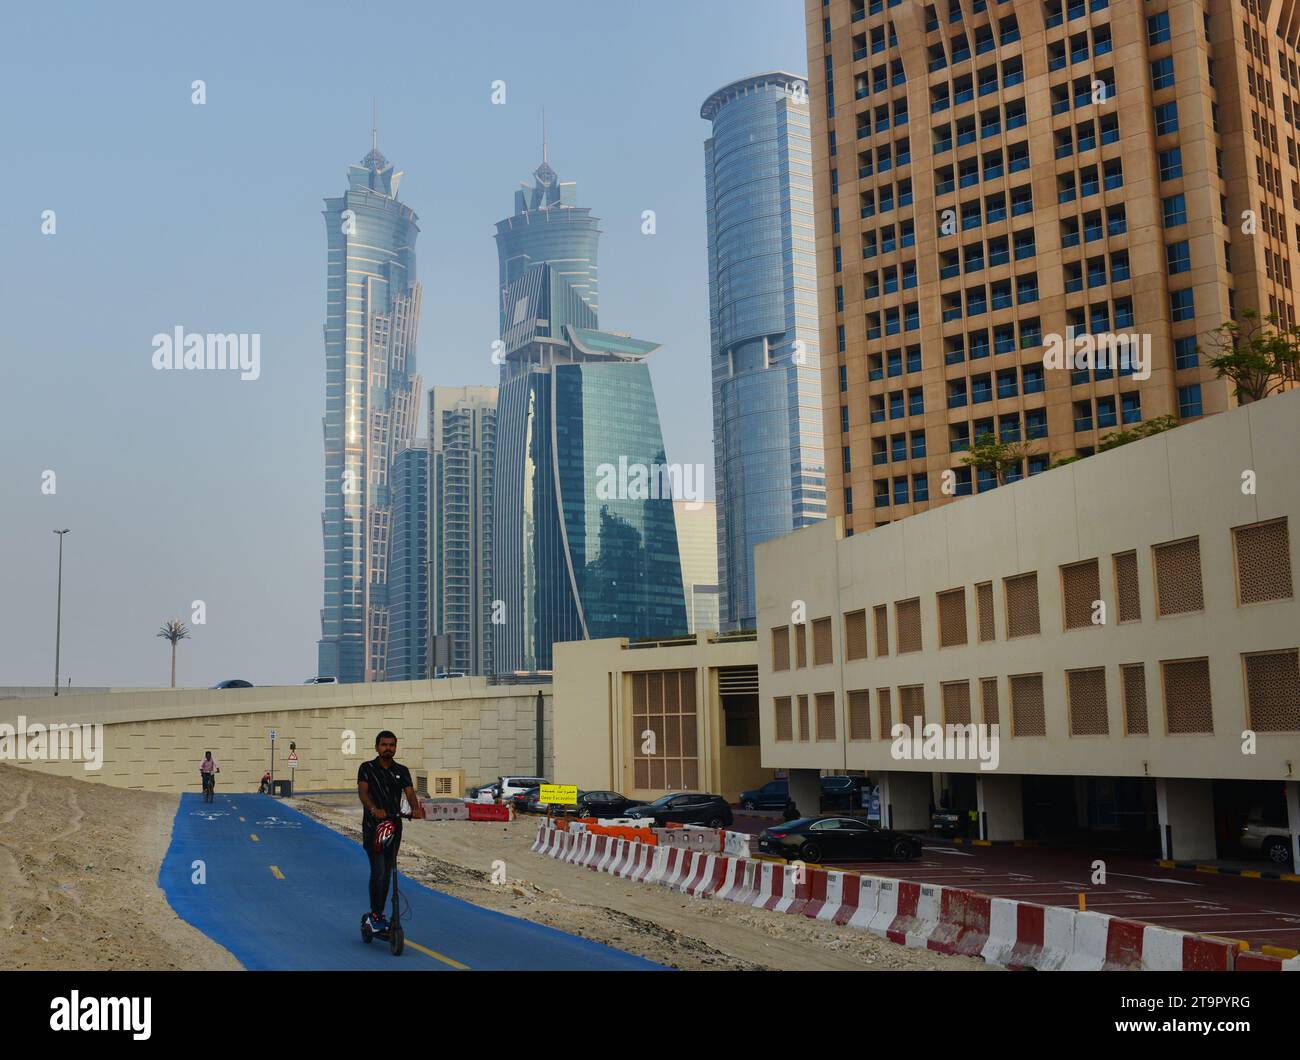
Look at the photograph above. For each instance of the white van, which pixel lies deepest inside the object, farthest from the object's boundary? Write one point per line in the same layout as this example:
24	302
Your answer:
508	787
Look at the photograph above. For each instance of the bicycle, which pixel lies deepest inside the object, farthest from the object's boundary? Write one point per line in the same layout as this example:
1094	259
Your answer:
209	785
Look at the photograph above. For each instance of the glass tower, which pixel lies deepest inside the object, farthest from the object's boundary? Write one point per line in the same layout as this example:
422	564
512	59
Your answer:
767	420
371	410
462	443
583	547
408	568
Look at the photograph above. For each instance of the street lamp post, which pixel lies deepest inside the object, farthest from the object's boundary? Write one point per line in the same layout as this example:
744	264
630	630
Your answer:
58	620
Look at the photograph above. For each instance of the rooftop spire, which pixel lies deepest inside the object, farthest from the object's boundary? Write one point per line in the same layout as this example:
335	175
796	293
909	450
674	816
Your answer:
375	160
544	173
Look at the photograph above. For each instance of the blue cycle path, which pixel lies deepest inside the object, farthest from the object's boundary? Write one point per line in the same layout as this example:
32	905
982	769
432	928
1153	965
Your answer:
292	899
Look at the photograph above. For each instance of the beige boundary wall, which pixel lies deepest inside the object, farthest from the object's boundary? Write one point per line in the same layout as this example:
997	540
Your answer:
1183	484
154	740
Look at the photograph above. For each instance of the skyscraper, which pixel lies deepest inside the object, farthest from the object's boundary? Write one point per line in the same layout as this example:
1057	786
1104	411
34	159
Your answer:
408	567
371	410
767	428
995	179
462	442
580	550
697	542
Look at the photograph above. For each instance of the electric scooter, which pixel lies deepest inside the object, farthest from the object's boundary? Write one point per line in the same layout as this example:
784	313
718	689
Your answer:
395	936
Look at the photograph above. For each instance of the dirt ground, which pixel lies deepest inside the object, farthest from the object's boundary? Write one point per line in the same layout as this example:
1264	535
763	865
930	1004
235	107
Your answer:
79	879
456	858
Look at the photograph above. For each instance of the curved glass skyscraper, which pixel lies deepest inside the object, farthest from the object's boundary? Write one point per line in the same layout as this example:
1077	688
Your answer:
583	546
767	424
371	394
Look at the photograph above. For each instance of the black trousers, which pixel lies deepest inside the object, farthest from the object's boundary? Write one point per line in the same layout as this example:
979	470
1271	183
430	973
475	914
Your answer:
381	874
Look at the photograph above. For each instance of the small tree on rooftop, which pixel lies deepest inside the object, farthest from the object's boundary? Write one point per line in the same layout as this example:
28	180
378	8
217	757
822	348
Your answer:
988	454
1260	356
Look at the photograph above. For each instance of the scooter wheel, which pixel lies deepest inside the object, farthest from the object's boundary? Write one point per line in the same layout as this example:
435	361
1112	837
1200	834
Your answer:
367	936
396	940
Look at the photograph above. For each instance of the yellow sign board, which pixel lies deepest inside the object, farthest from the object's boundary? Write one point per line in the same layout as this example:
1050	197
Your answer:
558	794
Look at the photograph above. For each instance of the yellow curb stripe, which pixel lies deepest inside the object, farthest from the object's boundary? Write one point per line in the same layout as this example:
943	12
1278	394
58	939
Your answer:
437	956
1251	874
1212	869
275	871
981	842
1278	951
1290	877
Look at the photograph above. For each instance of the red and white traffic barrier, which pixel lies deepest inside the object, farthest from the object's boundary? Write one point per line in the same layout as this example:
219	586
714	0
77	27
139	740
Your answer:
1167	950
710	878
742	874
624	867
906	912
963	923
795	888
657	865
1103	943
612	851
945	919
675	866
771	886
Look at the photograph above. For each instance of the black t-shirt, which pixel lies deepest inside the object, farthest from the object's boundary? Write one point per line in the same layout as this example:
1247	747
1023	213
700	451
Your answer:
386	789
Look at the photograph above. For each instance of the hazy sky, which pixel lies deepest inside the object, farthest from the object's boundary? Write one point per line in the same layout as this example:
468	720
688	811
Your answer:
185	486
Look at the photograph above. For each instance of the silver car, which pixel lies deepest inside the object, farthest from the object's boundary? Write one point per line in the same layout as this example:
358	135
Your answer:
1266	832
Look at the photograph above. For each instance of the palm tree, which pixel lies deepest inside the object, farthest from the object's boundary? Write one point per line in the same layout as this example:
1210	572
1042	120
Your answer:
174	630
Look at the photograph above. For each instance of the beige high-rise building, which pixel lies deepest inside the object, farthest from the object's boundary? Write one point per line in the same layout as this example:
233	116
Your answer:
992	176
697	543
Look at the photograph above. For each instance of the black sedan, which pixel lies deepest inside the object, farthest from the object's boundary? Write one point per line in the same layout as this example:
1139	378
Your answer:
818	839
687	807
602	804
523	800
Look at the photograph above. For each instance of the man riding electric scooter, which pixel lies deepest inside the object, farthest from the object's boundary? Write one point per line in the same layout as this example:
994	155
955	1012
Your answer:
381	785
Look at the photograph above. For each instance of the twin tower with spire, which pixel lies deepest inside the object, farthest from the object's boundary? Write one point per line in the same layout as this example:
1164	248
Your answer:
573	401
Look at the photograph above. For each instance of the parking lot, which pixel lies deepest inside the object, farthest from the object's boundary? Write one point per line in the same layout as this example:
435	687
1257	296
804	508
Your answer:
1256	911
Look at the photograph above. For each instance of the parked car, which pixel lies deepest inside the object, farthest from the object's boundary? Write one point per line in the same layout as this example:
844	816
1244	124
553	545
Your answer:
685	807
771	796
524	801
843	792
473	793
509	787
949	822
603	804
321	681
233	683
818	839
1266	832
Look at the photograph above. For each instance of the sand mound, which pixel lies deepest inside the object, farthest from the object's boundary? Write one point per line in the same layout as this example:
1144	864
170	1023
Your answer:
79	879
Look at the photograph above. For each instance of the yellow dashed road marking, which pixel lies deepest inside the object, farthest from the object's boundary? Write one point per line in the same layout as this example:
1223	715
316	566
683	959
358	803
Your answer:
438	956
254	838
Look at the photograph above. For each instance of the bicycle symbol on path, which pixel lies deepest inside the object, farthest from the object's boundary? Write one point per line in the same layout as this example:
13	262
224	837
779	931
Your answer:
279	822
209	815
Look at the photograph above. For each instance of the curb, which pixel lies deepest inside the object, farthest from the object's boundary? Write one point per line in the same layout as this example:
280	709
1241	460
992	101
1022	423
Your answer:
1221	870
